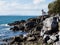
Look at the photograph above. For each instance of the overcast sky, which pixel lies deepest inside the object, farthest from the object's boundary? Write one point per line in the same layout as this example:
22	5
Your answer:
23	7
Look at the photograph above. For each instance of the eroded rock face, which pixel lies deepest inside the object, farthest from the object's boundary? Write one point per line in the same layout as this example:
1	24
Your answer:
50	24
50	30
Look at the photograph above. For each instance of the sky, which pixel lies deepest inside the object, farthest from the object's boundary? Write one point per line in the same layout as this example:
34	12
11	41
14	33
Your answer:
23	7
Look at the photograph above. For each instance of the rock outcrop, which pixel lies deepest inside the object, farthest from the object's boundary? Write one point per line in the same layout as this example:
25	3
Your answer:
35	27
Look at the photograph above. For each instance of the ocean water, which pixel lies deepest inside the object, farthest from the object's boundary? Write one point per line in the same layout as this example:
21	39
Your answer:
5	31
9	19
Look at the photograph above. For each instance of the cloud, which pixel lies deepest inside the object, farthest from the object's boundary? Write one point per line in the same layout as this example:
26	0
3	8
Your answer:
22	7
37	1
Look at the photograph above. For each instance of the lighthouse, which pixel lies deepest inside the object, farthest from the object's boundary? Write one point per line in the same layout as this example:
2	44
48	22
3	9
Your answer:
43	12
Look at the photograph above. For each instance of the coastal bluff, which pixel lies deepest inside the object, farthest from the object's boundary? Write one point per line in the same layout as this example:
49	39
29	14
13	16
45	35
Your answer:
33	28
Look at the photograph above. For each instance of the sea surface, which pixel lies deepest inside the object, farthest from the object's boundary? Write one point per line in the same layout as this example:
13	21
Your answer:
5	31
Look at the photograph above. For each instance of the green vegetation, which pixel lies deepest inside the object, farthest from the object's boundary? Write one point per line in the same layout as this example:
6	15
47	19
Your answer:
54	7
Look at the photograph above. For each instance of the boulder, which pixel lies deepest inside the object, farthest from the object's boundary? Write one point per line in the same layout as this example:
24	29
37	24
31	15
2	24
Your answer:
18	39
16	23
32	20
30	25
15	28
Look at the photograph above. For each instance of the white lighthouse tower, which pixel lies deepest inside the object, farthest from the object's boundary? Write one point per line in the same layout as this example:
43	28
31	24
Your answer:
43	12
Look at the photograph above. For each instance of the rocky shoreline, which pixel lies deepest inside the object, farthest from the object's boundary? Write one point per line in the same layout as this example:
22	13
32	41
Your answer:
32	27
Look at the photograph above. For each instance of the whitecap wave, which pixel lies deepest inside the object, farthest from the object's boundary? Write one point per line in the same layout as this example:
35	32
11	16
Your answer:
2	34
4	25
5	29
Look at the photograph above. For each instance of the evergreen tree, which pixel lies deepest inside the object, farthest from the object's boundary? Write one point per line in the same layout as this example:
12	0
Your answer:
54	7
